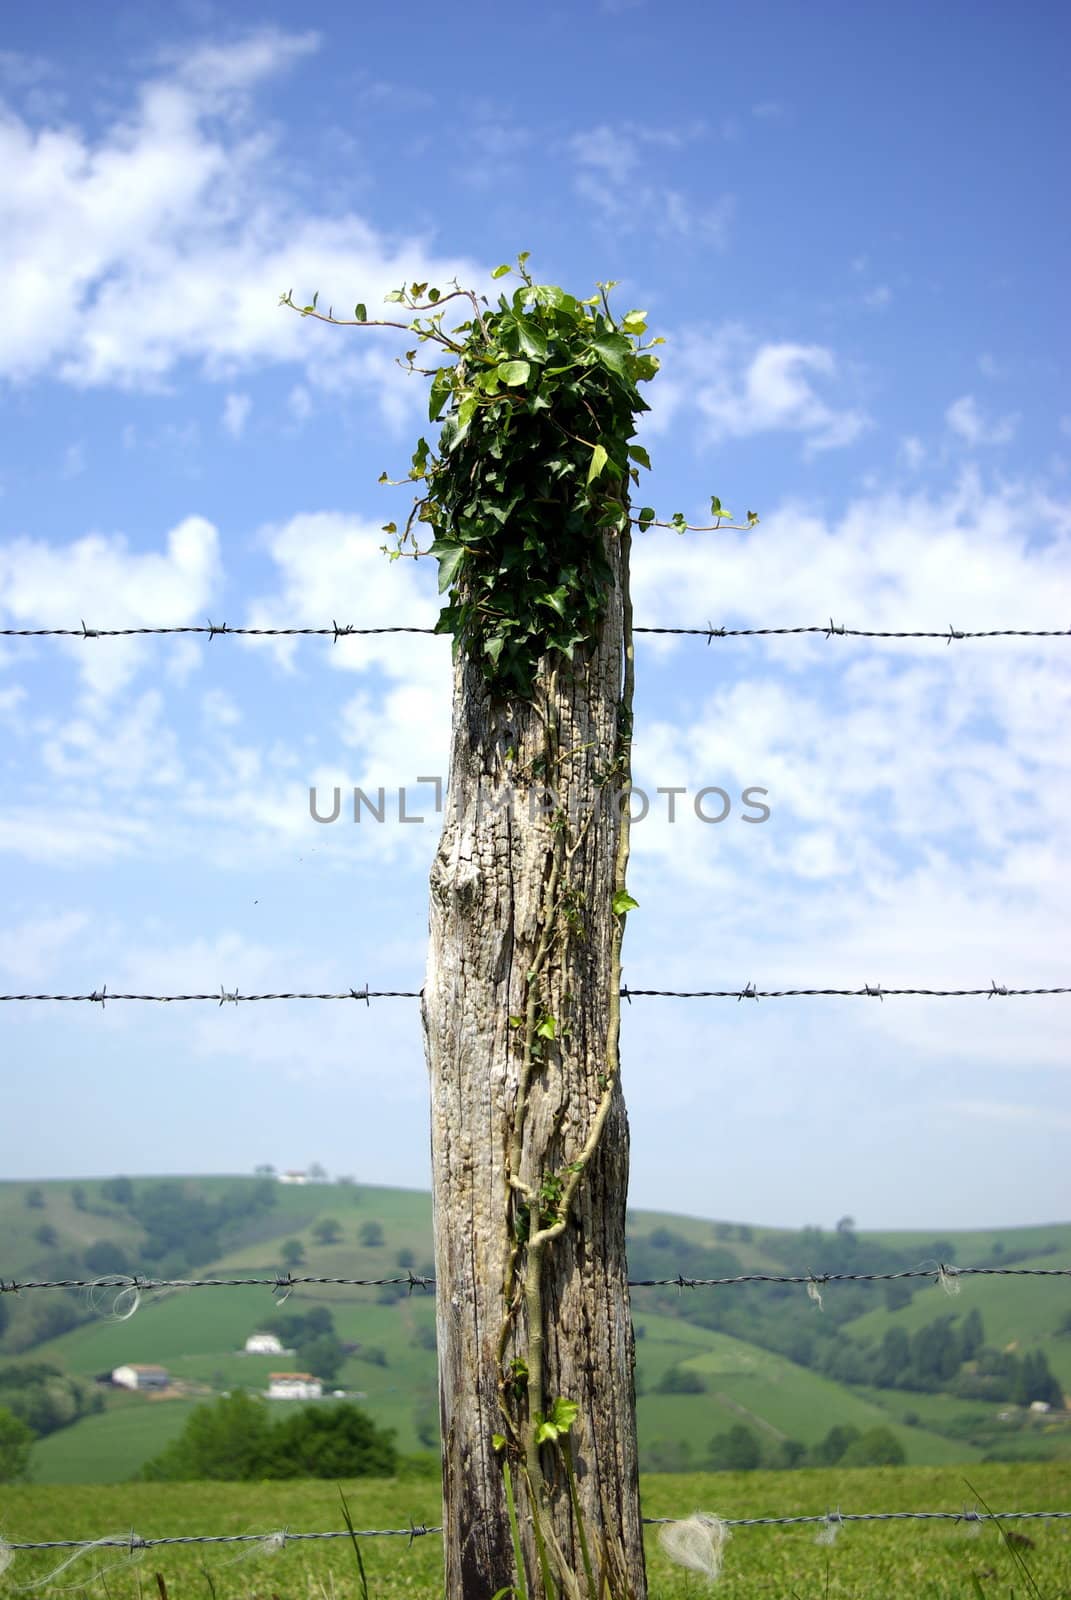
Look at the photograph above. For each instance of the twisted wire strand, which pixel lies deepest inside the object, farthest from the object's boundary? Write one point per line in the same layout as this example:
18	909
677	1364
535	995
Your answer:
133	1542
828	630
942	1272
870	991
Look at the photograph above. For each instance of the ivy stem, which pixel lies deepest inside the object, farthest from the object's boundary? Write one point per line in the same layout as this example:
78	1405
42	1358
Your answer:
538	1240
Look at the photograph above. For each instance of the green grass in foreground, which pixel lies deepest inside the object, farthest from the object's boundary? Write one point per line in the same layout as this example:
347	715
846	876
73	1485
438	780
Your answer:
870	1560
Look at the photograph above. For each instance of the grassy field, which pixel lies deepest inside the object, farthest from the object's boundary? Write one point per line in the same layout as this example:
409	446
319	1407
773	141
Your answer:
932	1561
198	1334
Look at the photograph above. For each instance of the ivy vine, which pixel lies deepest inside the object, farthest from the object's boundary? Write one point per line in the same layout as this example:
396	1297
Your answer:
535	457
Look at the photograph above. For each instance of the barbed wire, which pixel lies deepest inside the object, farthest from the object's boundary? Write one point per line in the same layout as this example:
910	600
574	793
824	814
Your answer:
942	1273
278	1538
828	630
872	991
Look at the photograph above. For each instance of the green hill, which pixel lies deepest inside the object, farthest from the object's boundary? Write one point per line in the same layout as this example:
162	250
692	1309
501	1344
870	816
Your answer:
764	1357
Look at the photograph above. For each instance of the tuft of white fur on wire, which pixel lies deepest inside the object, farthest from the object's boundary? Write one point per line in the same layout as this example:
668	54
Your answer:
948	1278
698	1543
115	1298
111	1542
831	1526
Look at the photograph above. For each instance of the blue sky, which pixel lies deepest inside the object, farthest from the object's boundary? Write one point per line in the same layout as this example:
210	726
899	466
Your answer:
846	221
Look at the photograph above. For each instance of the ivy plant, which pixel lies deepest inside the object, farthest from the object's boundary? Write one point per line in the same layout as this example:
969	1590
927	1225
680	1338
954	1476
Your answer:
534	460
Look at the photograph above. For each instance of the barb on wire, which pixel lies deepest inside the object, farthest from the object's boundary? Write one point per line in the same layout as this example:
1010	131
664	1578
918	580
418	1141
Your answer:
871	991
336	631
133	1542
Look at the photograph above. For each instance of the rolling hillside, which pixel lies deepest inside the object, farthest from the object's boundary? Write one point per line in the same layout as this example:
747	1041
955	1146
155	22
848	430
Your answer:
745	1373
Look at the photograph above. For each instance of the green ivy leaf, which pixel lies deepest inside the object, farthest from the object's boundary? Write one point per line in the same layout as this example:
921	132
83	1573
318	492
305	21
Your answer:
635	322
622	902
563	1413
556	599
531	339
514	373
638	453
500	272
440	393
546	1029
611	349
360	312
599	459
646	517
449	555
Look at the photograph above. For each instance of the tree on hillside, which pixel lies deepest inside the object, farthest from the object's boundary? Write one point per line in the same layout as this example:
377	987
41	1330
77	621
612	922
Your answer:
292	1253
227	1440
16	1443
236	1439
735	1451
877	1447
340	1441
327	1231
371	1234
526	495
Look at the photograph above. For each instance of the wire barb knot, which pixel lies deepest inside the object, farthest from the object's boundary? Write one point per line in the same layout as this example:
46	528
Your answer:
996	988
834	627
714	633
748	992
361	994
625	994
874	991
216	627
88	633
228	994
98	995
340	633
953	633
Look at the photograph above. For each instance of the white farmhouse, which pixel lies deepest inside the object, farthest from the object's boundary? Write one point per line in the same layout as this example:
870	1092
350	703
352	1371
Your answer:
264	1344
294	1386
293	1177
136	1375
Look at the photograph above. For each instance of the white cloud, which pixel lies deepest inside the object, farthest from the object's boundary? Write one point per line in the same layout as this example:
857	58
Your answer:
742	386
218	709
74	459
29	950
299	403
99	578
612	159
878	298
131	750
968	422
169	236
912	451
919	801
236	409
